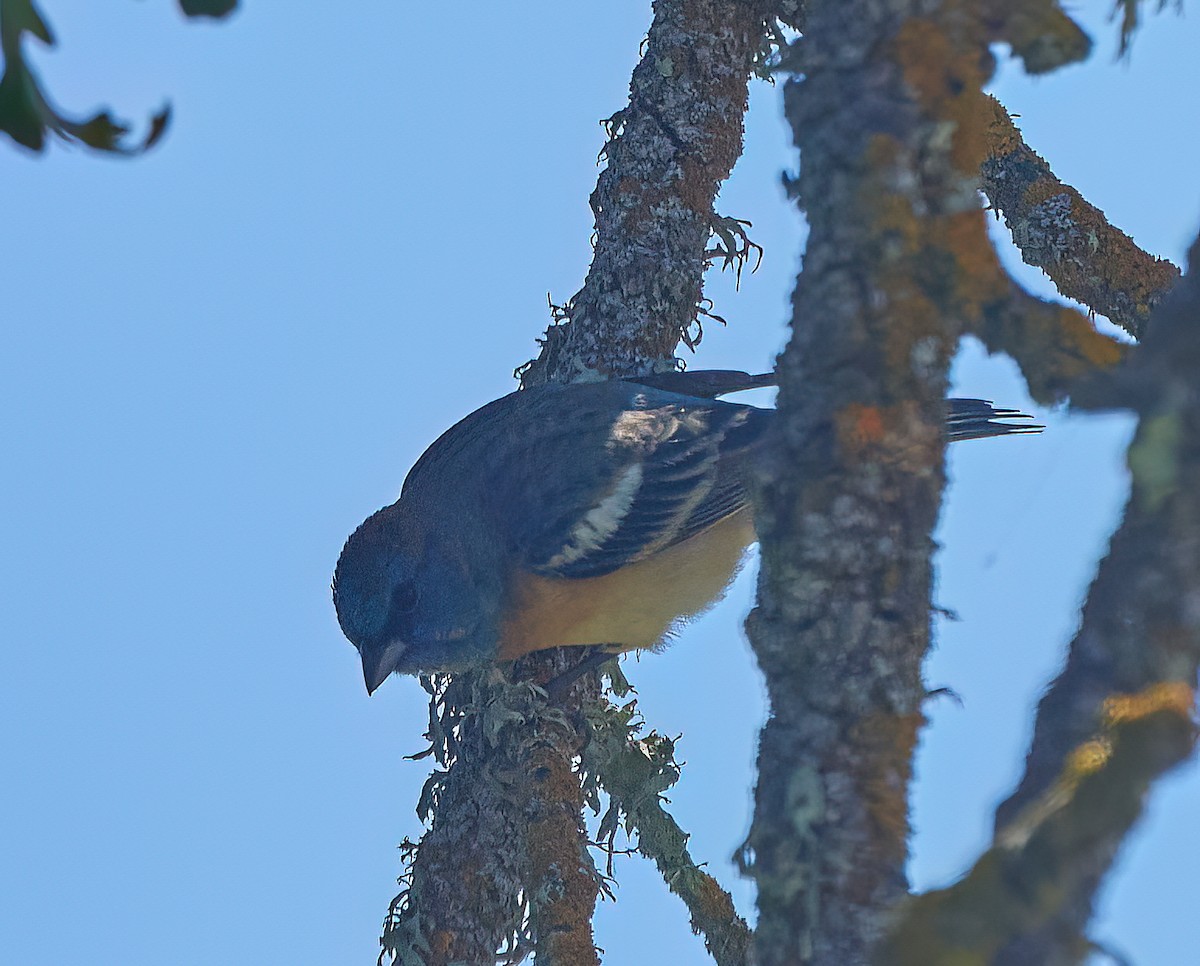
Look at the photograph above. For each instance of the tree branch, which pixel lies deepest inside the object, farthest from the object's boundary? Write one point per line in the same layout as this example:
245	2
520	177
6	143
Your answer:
851	497
1028	898
636	771
1054	345
889	119
563	883
1120	714
1070	240
668	151
1039	32
504	868
463	896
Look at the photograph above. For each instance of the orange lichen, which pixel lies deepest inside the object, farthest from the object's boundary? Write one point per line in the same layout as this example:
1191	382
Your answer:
884	745
922	49
712	901
1043	189
568	892
860	426
697	186
912	316
441	947
1040	33
949	256
893	221
1077	336
1003	138
946	76
980	278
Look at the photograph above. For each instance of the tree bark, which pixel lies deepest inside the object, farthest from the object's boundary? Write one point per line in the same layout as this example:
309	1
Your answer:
669	150
1057	230
889	119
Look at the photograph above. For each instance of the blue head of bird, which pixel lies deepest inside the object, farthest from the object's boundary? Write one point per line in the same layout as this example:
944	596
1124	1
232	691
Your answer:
407	599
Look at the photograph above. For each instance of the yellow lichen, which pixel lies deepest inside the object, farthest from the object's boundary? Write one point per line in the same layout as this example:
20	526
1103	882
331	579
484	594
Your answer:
1176	697
1087	758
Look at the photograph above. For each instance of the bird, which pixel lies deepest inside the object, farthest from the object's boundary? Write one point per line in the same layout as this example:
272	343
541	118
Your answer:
604	514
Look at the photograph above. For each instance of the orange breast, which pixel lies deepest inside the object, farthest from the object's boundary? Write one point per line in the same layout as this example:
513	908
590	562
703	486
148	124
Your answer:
634	607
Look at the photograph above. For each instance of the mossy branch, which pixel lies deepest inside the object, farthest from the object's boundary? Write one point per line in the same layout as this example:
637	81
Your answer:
1121	713
1027	898
669	150
635	770
1055	346
1057	230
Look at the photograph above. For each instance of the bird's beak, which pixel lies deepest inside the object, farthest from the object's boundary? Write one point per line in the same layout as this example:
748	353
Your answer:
372	675
377	665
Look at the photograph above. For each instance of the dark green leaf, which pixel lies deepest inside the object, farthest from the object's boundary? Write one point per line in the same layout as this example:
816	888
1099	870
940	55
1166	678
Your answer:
208	8
27	114
20	16
1131	19
20	118
158	126
101	131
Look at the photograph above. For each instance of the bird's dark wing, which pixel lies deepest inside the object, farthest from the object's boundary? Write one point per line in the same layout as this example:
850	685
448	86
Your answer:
582	479
671	469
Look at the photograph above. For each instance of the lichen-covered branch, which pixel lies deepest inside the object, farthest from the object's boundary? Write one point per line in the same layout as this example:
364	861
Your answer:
562	884
889	119
1121	712
669	150
1070	240
852	494
635	771
1027	899
1055	345
667	154
467	893
1039	31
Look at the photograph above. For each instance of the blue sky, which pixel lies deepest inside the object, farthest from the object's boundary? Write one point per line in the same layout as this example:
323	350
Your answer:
222	356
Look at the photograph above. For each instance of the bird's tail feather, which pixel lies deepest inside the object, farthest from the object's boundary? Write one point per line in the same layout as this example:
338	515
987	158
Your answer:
977	419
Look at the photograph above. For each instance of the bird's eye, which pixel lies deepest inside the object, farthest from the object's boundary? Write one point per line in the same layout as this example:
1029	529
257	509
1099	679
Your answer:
404	598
